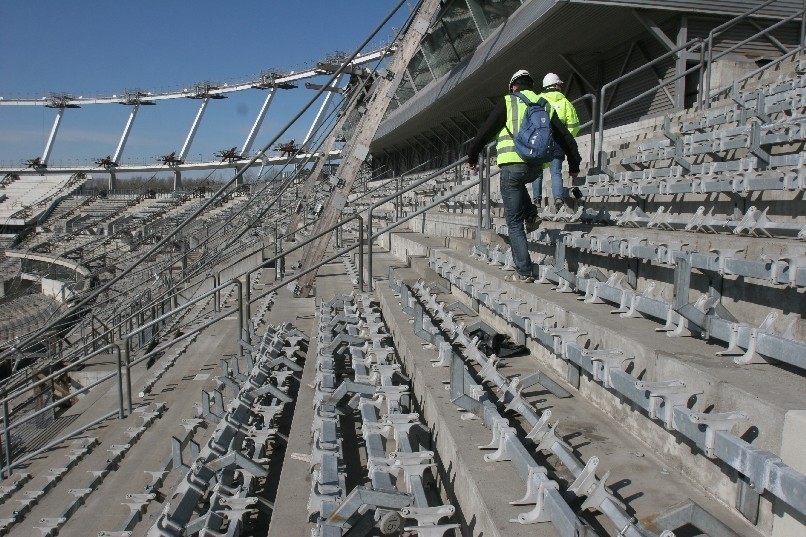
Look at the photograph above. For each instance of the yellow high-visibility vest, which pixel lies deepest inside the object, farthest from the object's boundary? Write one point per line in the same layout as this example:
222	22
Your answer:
561	106
516	111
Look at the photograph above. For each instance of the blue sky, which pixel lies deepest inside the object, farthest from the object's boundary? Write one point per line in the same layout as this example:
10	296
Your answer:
100	48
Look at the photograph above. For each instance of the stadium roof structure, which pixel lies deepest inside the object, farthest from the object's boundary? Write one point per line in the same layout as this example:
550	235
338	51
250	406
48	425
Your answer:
213	363
469	54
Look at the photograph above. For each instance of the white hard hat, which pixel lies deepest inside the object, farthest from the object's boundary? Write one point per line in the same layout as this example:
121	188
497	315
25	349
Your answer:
523	73
551	80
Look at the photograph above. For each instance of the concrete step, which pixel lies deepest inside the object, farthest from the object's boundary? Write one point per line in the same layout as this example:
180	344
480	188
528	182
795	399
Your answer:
769	396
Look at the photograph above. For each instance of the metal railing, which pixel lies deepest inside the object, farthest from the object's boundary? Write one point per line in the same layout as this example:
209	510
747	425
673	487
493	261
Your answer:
4	402
710	57
420	211
123	363
590	123
705	49
245	300
603	114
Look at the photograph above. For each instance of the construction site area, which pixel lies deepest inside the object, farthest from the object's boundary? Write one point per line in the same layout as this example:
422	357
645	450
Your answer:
328	341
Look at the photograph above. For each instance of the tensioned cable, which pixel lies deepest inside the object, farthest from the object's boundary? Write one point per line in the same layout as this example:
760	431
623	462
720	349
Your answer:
94	245
222	228
192	217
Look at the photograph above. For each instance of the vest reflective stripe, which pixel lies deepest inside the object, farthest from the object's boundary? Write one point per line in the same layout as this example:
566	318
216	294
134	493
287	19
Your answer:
516	110
564	110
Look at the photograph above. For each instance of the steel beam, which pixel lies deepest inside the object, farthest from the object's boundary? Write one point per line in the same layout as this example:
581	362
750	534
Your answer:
52	138
192	133
125	135
250	138
357	151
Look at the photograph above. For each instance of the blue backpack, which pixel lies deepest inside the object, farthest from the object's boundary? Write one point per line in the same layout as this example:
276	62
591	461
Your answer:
533	141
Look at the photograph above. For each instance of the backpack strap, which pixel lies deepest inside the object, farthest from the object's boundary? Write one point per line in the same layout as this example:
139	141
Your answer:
525	101
523	98
546	106
541	102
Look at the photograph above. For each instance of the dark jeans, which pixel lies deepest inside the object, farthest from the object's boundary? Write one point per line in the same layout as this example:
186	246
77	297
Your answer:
555	168
518	207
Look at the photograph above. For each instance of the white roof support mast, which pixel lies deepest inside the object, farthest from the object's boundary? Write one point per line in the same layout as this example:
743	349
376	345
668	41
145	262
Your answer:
321	114
250	139
193	129
125	135
52	137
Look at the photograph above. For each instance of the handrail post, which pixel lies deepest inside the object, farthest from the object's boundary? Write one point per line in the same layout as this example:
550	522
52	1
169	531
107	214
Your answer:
116	350
398	200
360	253
701	81
370	286
248	294
708	61
6	441
278	271
239	285
217	294
480	216
126	362
594	112
803	26
486	187
600	132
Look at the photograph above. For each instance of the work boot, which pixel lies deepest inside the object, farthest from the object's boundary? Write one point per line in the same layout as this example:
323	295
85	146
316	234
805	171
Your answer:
532	223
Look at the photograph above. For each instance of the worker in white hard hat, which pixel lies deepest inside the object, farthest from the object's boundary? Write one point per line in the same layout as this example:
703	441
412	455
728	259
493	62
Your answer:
515	173
567	114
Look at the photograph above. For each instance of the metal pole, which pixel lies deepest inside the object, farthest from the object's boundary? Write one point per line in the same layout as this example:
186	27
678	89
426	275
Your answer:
707	96
7	439
126	347
217	295
487	186
480	217
700	95
360	253
600	131
370	286
116	350
594	111
248	295
803	26
241	326
277	271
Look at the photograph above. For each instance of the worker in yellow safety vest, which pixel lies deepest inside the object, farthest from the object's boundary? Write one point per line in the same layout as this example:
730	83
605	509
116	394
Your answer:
562	108
519	211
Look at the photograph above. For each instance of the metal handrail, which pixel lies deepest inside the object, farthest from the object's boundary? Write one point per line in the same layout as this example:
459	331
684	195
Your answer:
117	326
7	425
170	293
710	41
603	114
707	94
753	73
122	358
10	468
390	197
704	65
359	245
418	212
378	187
339	224
591	122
